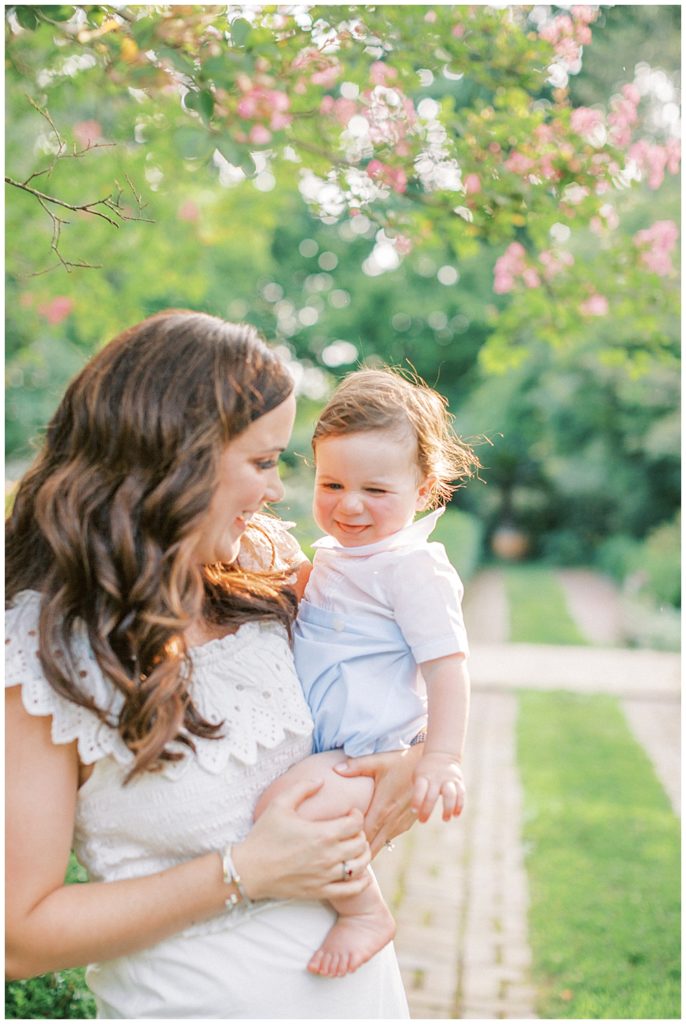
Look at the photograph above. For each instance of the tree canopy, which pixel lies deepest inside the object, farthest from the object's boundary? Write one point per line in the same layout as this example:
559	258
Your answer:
444	184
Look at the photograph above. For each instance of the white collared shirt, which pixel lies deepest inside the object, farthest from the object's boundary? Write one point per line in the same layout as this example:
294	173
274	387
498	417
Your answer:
404	578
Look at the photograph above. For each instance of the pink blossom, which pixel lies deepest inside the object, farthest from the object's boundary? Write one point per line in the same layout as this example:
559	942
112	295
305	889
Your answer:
547	168
568	35
508	267
280	121
585	120
518	163
503	283
326	69
458	31
87	132
265	105
431	17
673	150
342	109
631	93
544	132
554	262
594	305
259	134
658	241
472	184
402	244
584	13
57	309
381	73
651	159
327	77
188	211
393	176
530	277
623	115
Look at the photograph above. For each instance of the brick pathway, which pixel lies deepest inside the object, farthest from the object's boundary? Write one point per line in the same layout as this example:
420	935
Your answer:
459	890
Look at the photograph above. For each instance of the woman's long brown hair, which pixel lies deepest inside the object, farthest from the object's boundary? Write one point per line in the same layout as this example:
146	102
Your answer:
106	521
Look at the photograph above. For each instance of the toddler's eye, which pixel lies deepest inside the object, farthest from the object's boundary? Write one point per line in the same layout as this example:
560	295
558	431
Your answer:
332	487
375	490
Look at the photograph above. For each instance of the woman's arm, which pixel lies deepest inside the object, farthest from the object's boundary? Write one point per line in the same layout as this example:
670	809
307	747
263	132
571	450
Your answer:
50	926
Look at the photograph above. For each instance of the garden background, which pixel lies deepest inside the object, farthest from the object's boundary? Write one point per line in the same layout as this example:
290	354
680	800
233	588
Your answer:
487	195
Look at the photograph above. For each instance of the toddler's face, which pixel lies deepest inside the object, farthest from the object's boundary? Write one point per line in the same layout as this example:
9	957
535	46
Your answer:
368	485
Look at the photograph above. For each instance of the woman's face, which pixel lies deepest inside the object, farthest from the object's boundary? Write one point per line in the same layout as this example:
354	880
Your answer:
248	478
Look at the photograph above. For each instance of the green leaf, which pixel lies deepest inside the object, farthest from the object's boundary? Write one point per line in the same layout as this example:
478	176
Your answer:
202	102
220	70
240	31
180	62
248	165
56	13
26	17
192	143
229	150
143	31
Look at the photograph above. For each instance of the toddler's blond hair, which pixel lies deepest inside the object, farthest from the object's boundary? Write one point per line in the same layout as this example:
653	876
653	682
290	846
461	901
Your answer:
391	400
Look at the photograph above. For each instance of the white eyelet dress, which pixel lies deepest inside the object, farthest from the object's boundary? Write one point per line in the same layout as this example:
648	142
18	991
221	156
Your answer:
240	964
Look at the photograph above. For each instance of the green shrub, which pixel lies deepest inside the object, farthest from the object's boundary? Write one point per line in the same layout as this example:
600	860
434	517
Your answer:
616	556
49	996
564	547
658	560
462	534
650	568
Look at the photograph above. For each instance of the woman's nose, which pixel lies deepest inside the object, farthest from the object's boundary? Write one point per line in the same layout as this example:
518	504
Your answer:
275	489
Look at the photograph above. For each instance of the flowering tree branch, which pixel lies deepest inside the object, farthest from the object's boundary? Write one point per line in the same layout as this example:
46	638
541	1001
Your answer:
95	208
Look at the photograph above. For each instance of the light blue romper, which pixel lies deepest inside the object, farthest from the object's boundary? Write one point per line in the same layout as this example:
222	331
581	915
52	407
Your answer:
369	617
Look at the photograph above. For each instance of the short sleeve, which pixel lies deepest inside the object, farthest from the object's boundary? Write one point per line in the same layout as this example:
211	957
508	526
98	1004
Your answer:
427	603
267	545
70	721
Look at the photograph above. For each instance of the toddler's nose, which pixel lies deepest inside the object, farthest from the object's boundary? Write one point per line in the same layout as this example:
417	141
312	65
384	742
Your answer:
351	503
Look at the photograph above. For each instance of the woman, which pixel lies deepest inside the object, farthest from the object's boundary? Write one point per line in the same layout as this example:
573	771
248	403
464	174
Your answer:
152	697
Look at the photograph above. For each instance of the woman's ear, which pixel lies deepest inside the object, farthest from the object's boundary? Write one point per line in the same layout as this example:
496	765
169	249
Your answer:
425	491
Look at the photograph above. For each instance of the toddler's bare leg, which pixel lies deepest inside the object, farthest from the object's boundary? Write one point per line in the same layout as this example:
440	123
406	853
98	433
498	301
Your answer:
365	924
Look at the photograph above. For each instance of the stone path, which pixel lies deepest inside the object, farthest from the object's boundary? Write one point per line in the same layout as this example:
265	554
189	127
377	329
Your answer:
459	890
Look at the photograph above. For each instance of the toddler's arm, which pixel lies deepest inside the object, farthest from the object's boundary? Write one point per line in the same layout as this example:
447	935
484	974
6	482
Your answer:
439	771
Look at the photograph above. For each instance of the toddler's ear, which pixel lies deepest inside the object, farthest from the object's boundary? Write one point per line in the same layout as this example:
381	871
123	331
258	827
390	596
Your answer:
424	492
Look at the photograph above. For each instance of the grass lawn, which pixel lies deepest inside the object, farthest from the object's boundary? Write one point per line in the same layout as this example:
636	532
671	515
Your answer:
538	610
603	863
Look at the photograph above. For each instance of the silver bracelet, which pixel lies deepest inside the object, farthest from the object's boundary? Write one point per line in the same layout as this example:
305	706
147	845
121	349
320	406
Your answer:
231	877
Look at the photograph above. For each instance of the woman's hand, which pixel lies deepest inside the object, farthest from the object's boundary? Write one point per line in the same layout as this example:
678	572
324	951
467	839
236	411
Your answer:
285	856
390	812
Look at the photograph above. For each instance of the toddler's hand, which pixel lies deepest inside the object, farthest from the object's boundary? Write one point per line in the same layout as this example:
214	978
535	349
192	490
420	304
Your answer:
438	775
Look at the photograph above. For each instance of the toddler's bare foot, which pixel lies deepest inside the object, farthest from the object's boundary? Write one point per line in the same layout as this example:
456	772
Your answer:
352	941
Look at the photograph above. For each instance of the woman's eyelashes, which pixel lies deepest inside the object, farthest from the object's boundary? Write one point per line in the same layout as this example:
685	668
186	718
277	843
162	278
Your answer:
266	463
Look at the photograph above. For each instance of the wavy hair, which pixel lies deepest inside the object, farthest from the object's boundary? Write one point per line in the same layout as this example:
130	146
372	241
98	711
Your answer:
106	521
403	404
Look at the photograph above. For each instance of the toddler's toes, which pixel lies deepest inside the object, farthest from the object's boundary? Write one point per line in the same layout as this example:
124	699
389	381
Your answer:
315	963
